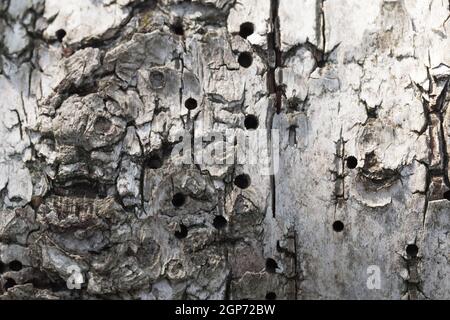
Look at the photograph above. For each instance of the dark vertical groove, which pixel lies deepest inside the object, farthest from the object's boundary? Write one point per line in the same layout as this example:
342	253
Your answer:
324	42
273	42
274	198
274	90
443	141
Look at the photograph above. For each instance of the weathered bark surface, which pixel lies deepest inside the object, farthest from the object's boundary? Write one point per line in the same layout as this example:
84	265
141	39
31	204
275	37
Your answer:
350	96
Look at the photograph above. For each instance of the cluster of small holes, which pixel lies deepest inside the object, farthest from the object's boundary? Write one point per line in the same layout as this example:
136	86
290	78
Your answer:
245	59
182	233
178	199
338	226
352	162
271	265
242	181
219	222
251	122
246	29
190	104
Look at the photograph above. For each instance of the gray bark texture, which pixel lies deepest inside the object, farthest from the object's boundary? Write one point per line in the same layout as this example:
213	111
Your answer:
103	196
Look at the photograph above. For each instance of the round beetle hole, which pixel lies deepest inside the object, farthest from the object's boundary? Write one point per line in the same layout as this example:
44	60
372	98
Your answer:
60	34
242	181
182	233
15	265
9	283
271	296
352	162
178	199
219	222
338	226
177	28
321	63
251	122
190	104
412	250
246	29
154	162
271	265
245	59
447	195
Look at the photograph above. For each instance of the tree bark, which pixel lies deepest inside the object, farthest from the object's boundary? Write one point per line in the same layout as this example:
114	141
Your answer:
215	149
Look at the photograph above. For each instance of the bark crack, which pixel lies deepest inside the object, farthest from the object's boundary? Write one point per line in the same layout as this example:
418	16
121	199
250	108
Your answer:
273	41
437	168
274	90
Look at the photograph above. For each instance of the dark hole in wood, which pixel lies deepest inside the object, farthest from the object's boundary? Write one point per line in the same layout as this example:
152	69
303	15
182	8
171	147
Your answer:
321	63
271	295
57	285
9	283
271	265
40	280
200	30
447	195
246	29
35	202
60	34
352	162
15	265
242	181
219	222
338	226
245	59
412	250
153	162
292	135
178	199
182	233
190	104
251	122
2	267
177	28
